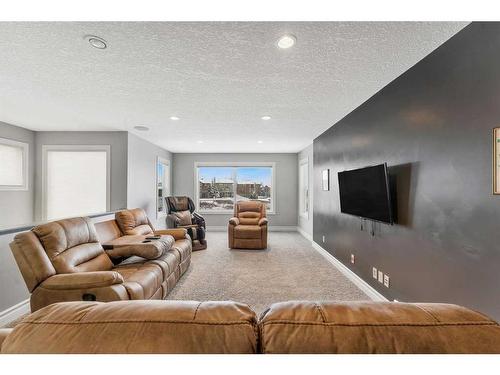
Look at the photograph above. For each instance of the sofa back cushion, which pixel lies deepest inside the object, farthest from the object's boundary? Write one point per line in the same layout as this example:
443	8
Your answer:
249	212
136	327
134	222
376	327
31	258
72	246
184	217
107	231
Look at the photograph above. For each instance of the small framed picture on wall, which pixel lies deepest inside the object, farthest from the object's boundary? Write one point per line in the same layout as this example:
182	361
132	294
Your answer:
326	179
496	161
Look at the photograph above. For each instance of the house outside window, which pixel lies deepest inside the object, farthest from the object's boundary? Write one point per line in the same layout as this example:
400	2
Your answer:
220	185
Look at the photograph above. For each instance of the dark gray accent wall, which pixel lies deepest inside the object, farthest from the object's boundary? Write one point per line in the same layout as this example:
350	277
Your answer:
433	126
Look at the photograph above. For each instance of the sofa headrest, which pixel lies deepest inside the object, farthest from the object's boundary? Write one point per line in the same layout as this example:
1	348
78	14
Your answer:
136	327
133	222
376	327
178	203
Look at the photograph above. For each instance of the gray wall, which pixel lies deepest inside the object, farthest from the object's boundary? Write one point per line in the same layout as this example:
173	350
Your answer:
141	192
19	204
306	224
286	182
118	142
433	126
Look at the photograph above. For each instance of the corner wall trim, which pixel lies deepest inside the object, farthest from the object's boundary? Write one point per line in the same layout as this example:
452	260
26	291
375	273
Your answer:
271	228
358	281
304	234
14	312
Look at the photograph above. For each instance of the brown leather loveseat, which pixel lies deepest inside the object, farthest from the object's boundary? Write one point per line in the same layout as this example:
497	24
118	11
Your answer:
248	228
64	261
231	327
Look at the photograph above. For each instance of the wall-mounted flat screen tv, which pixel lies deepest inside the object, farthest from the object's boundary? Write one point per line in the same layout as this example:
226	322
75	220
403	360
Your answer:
365	193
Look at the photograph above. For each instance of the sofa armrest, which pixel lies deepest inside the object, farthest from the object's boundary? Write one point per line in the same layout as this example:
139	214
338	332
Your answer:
177	233
83	280
263	221
4	332
234	221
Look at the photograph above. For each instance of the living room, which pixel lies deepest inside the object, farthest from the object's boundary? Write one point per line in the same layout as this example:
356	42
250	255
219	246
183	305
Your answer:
259	186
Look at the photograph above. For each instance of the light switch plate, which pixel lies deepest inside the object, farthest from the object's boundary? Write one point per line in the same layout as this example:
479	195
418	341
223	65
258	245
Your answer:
386	281
374	272
380	277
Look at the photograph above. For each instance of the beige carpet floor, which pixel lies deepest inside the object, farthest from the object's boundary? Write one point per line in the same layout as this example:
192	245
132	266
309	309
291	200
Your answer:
290	269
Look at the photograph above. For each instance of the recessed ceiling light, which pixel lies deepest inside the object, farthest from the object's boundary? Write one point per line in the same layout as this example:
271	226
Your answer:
96	42
260	141
174	118
265	118
199	141
286	41
141	128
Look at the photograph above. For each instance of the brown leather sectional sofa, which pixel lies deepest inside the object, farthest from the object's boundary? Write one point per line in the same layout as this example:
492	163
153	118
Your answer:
65	260
230	327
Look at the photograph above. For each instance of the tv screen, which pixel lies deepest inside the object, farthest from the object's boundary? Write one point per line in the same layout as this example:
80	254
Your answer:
365	193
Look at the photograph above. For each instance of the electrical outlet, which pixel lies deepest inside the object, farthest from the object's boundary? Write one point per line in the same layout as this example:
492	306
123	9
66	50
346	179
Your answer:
386	281
323	239
374	272
353	259
380	277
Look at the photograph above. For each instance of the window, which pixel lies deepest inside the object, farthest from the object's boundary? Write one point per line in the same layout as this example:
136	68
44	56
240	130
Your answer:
219	186
304	188
162	185
14	165
76	180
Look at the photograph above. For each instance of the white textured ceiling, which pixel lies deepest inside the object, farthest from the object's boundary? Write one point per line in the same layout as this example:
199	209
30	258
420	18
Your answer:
219	78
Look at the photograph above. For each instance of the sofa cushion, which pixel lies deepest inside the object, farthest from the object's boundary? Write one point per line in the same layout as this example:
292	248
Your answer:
72	246
142	281
136	327
133	222
184	217
376	327
247	231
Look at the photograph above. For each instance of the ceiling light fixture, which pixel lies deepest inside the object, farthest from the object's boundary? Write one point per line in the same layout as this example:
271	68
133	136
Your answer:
141	128
286	41
199	141
96	42
260	141
174	118
265	118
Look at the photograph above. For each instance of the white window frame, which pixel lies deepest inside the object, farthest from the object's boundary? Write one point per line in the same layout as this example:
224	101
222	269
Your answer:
304	214
197	165
25	148
75	148
166	162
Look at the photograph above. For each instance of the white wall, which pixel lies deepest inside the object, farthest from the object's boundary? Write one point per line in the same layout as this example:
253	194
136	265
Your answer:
17	207
306	224
141	191
285	180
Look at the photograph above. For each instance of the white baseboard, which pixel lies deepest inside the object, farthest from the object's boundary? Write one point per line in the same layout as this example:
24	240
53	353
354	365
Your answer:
271	228
14	312
358	281
304	234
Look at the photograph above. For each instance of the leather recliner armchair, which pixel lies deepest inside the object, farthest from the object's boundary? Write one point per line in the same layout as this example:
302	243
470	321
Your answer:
248	228
181	214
